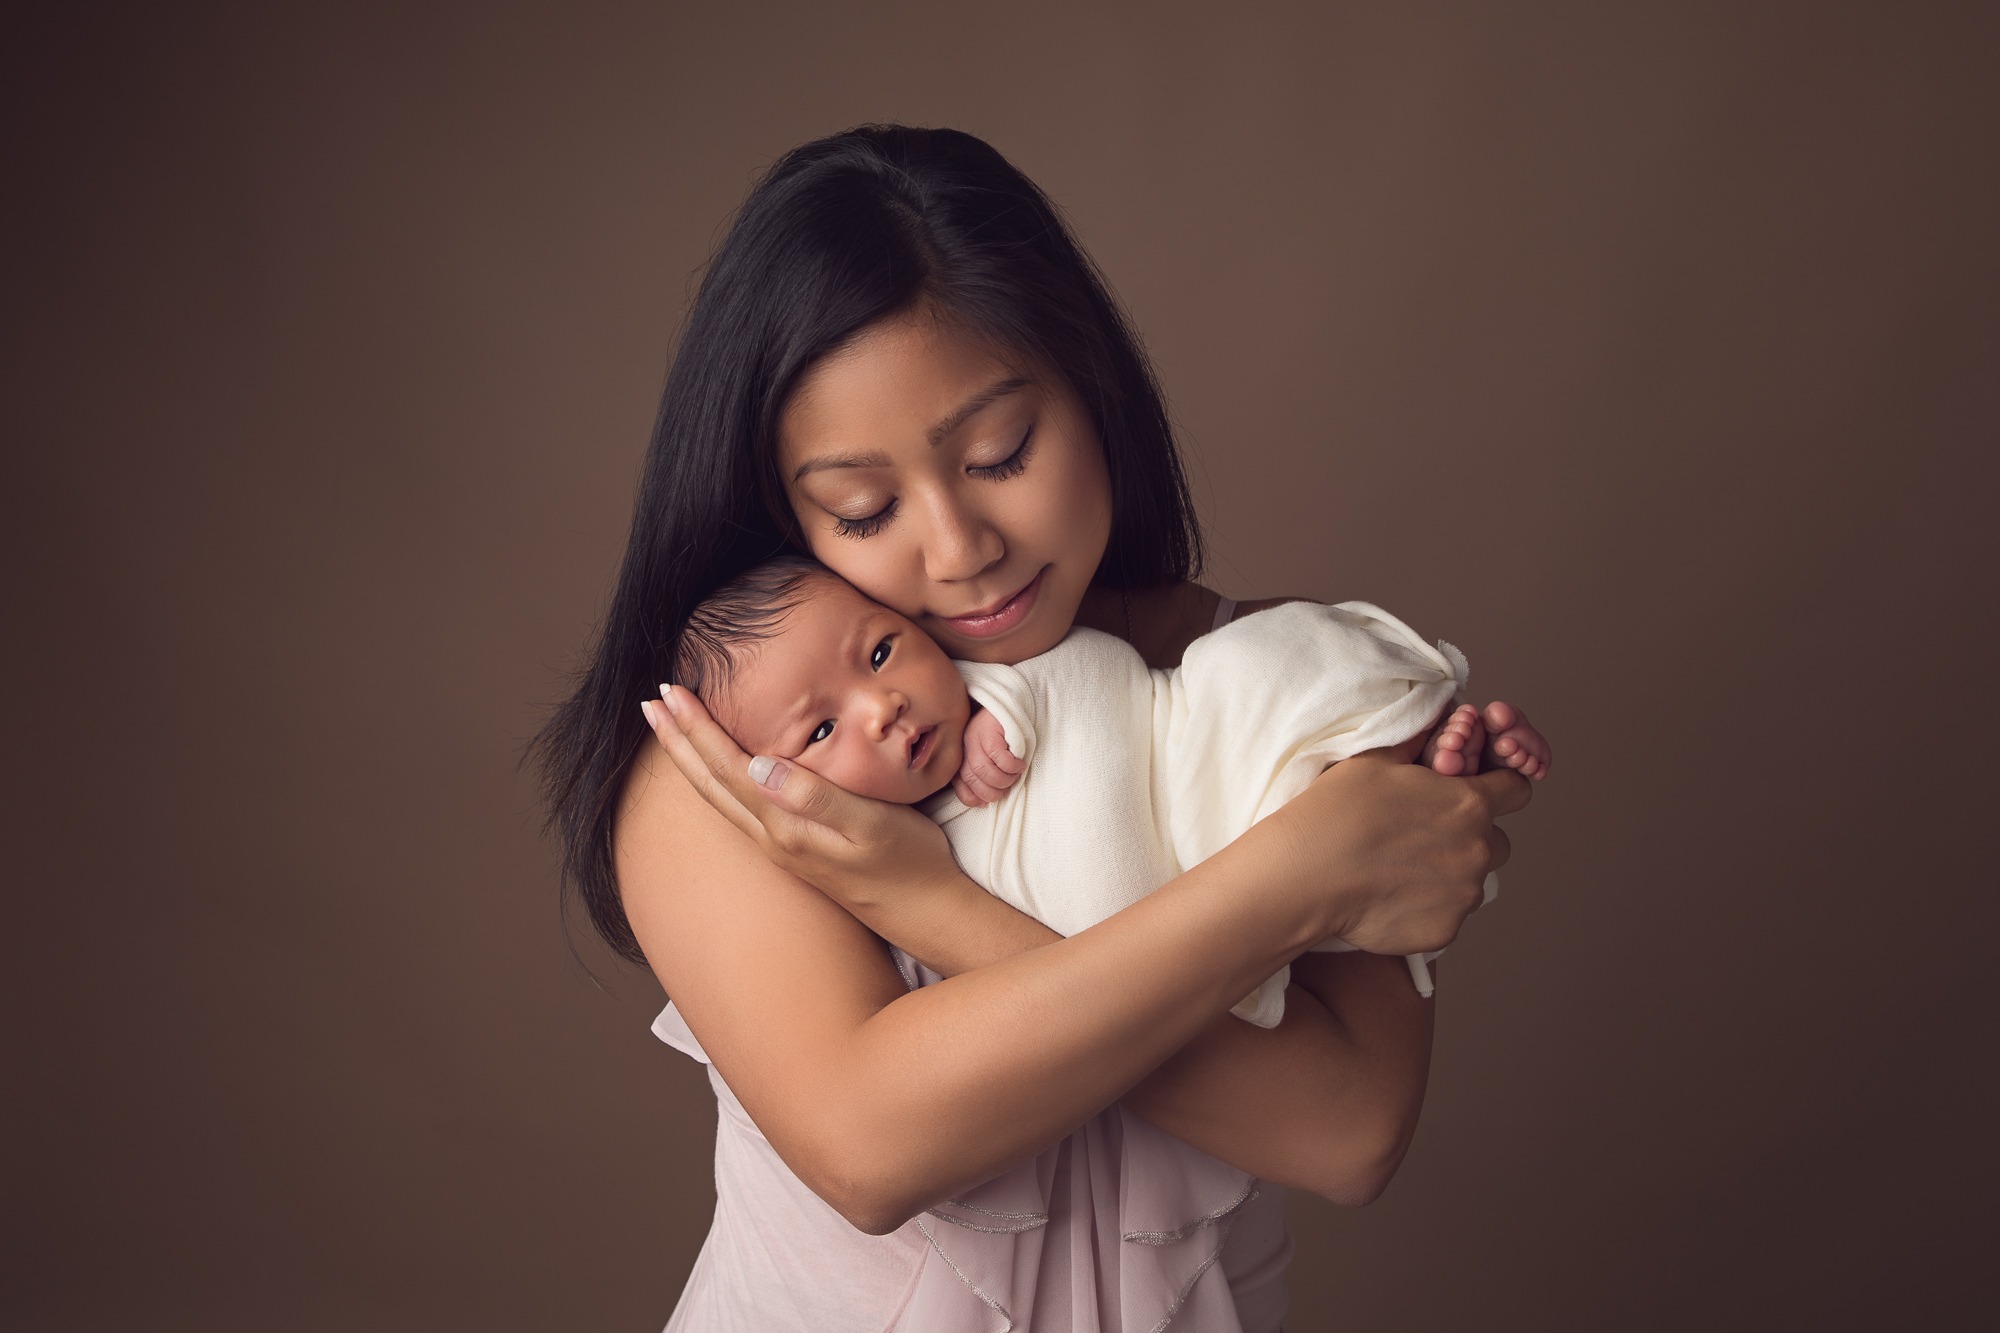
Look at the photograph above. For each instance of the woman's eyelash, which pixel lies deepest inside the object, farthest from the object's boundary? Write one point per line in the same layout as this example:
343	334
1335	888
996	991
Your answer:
1011	465
864	527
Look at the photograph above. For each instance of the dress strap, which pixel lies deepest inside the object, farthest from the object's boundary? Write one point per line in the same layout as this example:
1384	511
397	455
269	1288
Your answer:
1224	609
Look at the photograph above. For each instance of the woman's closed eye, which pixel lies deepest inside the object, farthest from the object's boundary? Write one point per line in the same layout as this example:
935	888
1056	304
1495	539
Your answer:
1010	466
864	527
1013	465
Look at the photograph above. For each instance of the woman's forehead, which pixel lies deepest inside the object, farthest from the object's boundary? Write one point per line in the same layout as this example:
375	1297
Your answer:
893	385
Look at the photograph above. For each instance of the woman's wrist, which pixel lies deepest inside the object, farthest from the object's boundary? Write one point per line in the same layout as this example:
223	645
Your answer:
950	924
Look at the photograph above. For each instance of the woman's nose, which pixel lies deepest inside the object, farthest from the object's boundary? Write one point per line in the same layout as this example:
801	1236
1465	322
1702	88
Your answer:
960	543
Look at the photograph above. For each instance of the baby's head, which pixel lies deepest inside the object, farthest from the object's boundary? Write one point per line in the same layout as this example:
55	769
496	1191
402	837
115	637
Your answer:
794	663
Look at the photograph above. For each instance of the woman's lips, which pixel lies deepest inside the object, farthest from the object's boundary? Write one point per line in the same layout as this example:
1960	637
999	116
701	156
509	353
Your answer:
985	624
921	751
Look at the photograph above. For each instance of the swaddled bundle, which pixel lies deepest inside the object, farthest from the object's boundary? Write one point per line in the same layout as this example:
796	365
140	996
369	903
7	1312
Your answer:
1135	775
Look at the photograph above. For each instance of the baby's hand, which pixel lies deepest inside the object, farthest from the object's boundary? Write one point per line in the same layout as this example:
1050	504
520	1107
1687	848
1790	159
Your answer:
1469	740
989	768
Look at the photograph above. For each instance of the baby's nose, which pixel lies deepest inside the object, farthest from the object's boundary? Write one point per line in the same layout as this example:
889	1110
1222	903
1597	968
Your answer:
887	706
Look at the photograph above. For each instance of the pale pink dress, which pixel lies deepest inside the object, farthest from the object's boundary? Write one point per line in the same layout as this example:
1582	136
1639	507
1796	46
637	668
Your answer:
1120	1228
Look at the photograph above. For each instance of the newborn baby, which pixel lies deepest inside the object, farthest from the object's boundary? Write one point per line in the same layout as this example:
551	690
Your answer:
1085	780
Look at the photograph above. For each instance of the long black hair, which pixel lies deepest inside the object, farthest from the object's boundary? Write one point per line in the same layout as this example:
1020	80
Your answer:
843	232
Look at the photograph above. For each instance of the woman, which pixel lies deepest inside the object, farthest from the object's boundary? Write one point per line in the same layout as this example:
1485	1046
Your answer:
900	363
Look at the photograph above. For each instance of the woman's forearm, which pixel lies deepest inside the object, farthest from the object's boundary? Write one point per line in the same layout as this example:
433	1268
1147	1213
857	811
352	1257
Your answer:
1327	1101
885	1101
954	926
1159	971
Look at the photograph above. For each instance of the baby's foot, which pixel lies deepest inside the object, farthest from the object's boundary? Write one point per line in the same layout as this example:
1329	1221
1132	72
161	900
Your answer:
1455	746
1514	743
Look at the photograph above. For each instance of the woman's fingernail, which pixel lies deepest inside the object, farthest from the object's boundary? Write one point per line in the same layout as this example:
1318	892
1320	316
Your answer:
667	696
646	707
768	772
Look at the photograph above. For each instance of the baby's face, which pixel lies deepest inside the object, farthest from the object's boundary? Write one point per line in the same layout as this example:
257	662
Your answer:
854	692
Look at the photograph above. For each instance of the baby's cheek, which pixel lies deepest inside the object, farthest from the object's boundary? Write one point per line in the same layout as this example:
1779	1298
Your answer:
857	775
844	766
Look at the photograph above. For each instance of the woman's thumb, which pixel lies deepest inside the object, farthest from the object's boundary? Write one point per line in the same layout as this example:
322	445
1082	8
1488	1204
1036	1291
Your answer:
792	788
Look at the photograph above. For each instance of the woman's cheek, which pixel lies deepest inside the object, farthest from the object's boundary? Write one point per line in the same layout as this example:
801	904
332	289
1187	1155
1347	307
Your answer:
1074	513
865	562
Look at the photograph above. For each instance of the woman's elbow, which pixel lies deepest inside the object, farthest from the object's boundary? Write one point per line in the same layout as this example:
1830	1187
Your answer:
872	1192
1357	1173
875	1206
1355	1187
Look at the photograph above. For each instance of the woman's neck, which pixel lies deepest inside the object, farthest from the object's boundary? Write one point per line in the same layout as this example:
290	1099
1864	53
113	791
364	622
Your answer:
1159	622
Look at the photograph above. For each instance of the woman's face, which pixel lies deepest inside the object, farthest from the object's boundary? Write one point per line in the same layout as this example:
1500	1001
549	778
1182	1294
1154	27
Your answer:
965	492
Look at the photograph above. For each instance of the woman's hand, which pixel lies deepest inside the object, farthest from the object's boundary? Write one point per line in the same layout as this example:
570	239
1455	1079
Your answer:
1410	848
858	851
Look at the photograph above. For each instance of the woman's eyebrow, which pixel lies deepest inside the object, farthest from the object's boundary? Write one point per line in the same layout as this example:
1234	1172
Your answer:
825	462
937	434
972	406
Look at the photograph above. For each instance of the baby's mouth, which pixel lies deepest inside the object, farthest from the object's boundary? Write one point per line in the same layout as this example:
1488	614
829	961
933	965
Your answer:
922	745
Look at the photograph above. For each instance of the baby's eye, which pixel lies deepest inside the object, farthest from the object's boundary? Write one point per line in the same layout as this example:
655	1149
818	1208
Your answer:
821	732
879	656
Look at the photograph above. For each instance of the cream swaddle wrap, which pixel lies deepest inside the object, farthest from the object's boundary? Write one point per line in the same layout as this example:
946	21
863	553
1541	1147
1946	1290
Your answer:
1135	775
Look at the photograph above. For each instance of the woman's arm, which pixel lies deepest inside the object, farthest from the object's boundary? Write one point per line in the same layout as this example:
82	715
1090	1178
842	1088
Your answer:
884	1102
1327	1101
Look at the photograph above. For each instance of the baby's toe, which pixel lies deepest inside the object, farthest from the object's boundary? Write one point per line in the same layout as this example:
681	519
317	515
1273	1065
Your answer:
1501	715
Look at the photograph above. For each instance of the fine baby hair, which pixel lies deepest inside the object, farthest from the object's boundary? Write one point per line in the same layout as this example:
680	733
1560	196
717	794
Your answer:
747	609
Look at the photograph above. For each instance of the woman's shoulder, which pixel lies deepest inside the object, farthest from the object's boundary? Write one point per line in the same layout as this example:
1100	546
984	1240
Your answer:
715	917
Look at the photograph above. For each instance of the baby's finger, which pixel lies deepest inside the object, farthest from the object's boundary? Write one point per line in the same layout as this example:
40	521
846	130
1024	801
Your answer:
1003	758
980	785
964	792
980	766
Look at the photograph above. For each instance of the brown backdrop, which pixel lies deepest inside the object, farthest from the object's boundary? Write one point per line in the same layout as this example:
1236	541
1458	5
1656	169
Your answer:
1645	350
